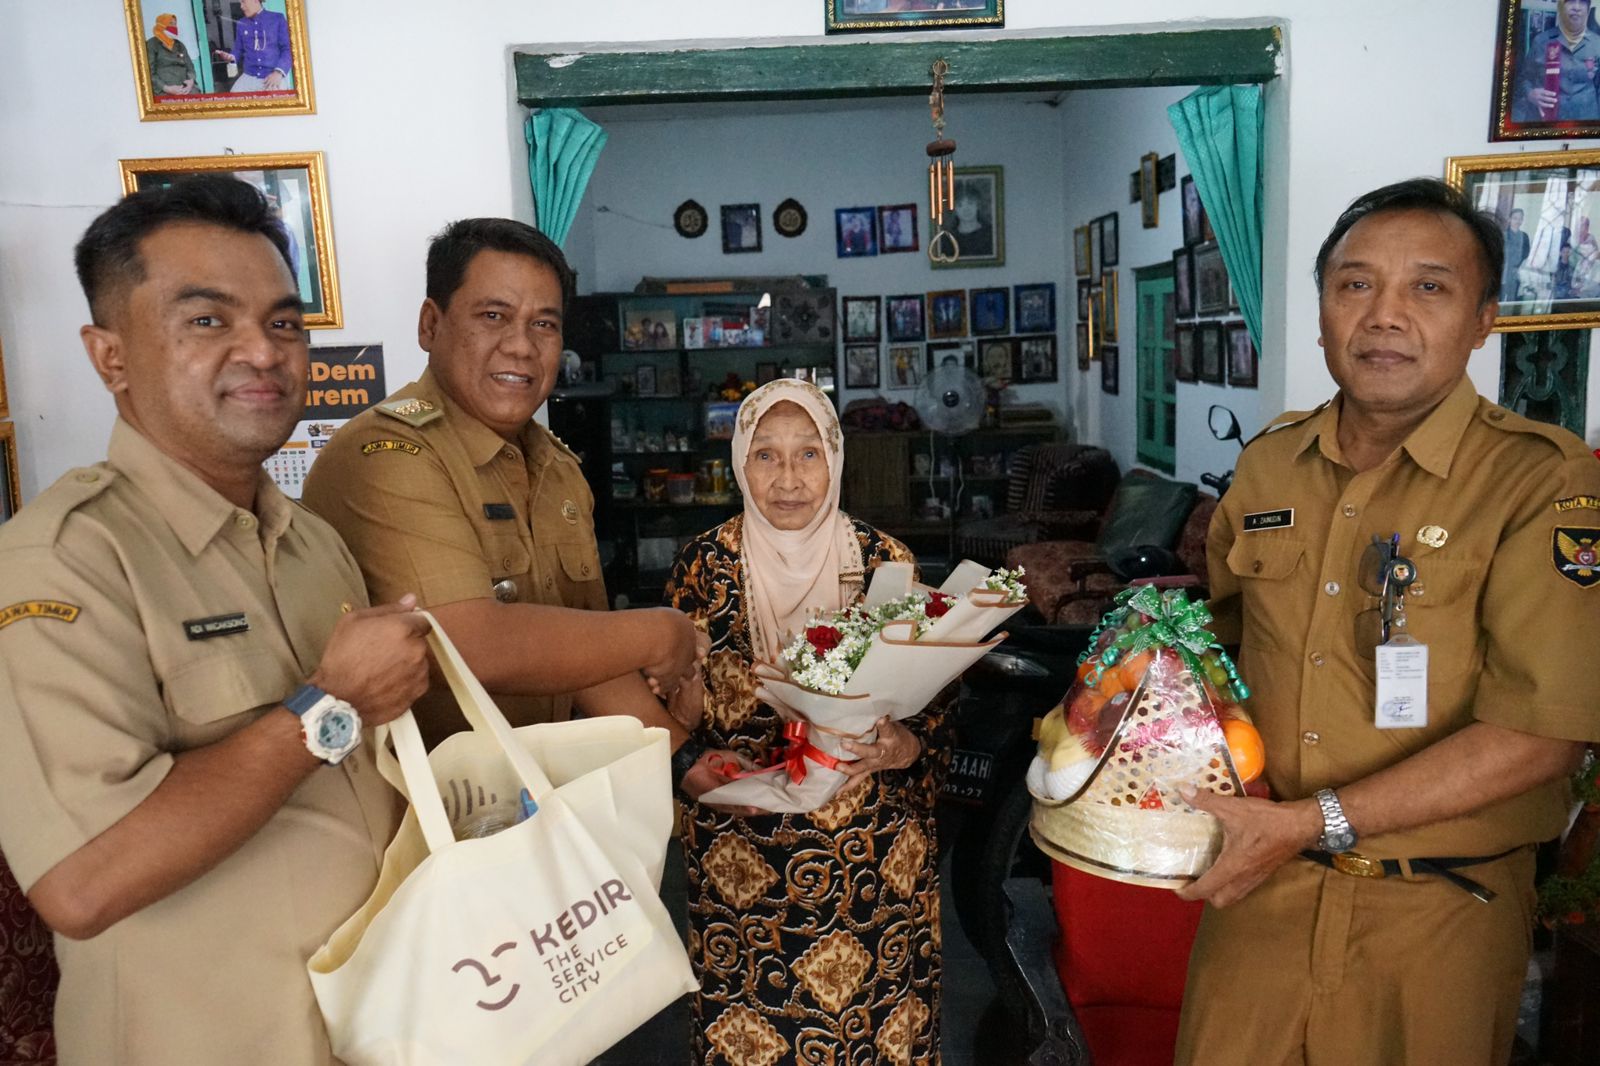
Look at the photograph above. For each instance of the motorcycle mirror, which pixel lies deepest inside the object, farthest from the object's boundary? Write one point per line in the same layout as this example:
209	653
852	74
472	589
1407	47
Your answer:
1224	424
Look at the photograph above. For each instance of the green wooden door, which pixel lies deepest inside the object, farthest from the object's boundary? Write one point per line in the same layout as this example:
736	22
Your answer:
1156	393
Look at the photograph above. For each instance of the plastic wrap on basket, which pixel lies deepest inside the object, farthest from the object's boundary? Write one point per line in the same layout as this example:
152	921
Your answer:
1157	705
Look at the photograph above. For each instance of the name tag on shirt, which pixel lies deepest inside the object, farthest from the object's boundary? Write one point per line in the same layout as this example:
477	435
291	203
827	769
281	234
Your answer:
1282	518
499	512
1402	701
220	625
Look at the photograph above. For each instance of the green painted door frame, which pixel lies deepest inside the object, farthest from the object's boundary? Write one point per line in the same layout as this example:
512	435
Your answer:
1156	383
898	68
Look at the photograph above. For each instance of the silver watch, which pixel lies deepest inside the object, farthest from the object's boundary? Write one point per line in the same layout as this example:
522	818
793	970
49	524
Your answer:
1337	835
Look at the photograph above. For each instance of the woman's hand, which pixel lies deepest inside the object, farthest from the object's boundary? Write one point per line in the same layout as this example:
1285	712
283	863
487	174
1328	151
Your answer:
688	703
896	748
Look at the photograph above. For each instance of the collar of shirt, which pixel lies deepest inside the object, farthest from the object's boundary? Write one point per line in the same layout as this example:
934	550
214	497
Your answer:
481	442
1432	445
194	510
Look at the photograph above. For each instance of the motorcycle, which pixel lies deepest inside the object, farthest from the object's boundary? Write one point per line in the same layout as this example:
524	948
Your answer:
985	807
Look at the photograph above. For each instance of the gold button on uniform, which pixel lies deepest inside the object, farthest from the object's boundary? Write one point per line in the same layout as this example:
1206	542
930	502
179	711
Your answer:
88	477
1331	588
1255	567
244	521
1311	738
1349	510
1317	658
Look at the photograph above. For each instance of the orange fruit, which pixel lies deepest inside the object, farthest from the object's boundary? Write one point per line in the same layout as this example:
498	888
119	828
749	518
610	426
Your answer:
1085	666
1111	682
1244	745
1133	667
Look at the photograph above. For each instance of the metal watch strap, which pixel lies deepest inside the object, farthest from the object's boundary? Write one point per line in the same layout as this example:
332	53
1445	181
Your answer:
1333	820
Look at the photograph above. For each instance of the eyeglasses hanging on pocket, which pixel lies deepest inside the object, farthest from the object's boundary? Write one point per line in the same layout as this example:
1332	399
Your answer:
1401	700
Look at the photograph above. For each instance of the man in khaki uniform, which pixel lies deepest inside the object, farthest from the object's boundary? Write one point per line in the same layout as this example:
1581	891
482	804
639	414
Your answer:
1380	910
450	488
180	791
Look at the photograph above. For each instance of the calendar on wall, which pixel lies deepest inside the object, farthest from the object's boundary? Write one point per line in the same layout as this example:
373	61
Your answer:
344	381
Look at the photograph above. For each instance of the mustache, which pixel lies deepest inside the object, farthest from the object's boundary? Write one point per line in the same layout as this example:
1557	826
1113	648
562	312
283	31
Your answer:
284	382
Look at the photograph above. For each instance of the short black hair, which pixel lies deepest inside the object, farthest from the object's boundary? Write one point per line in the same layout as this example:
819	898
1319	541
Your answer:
454	247
1425	194
107	257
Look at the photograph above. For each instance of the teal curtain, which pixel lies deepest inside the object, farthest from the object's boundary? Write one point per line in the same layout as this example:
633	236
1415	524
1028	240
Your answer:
1219	131
563	147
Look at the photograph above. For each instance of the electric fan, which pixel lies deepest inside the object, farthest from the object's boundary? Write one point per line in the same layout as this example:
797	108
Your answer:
950	402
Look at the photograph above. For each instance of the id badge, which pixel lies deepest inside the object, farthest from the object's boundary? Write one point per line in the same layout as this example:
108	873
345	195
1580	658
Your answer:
1402	701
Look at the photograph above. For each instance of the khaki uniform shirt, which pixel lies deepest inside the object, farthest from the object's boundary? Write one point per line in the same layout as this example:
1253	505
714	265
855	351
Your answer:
1508	614
434	502
101	685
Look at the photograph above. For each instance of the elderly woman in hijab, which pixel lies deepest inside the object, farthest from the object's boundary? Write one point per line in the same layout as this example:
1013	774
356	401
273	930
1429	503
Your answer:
815	936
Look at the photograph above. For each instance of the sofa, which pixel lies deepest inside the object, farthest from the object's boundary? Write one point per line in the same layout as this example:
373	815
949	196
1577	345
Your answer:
1049	488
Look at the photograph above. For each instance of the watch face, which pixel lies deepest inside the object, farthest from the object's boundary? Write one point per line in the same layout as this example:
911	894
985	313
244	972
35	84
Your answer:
1337	842
335	729
334	732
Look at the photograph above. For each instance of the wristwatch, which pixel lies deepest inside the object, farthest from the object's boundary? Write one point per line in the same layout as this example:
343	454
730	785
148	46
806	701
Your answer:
1337	835
330	727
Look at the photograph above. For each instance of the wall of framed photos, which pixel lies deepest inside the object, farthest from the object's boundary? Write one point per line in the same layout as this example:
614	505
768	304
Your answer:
866	154
407	153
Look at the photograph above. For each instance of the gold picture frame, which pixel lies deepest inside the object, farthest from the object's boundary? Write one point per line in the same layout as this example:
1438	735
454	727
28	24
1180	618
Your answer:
297	183
196	48
11	491
1551	279
1108	305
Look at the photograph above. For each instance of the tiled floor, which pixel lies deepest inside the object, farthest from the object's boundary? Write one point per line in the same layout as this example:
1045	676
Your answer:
974	1026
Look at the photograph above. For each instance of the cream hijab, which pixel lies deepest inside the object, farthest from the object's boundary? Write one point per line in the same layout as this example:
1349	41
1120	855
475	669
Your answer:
791	575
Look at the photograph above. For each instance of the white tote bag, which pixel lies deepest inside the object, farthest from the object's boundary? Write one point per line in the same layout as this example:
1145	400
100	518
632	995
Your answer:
543	943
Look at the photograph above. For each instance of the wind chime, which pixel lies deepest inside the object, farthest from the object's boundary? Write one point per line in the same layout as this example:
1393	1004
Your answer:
943	247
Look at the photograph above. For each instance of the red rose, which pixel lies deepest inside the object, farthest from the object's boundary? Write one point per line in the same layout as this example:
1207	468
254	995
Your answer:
1575	918
938	605
823	639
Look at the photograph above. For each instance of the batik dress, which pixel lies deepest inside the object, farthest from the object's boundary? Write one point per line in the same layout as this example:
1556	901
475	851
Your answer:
815	936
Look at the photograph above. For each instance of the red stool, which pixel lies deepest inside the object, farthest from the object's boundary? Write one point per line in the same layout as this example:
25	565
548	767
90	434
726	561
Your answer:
1122	956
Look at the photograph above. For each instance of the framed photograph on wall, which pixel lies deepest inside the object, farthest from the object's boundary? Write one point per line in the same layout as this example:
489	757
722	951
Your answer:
1085	296
10	477
991	310
866	16
905	314
1186	356
1084	351
1543	85
1210	281
861	366
1194	214
296	186
1244	369
1550	221
979	224
1110	369
997	359
1183	283
741	228
903	366
5	403
897	228
1082	252
1108	239
951	353
947	313
861	318
1108	305
1149	190
1037	358
1036	307
219	58
855	231
1209	342
644	379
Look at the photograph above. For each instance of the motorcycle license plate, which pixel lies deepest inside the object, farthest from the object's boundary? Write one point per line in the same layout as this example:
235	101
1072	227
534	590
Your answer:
969	774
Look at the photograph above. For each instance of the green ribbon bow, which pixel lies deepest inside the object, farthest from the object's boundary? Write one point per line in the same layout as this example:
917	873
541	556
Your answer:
1175	622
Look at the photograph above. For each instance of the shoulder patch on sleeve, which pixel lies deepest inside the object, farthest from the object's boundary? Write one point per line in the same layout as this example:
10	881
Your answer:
1578	503
1576	554
413	411
406	446
61	612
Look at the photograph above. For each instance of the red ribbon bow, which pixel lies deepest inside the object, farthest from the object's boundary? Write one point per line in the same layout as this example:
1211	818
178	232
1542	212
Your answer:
791	760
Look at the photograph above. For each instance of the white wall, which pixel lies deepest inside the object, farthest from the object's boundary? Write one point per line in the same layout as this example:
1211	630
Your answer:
1107	131
417	117
864	155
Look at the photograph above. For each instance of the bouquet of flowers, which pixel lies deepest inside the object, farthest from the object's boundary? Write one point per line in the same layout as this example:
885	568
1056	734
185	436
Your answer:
889	655
1156	705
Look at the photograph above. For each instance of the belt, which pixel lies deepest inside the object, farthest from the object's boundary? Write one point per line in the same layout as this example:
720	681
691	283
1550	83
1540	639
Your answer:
1358	865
